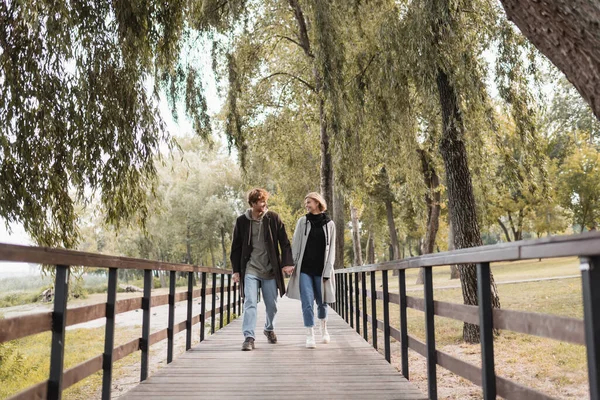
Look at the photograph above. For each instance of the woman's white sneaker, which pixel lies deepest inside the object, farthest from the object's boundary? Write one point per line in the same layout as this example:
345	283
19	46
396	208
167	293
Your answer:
310	338
324	333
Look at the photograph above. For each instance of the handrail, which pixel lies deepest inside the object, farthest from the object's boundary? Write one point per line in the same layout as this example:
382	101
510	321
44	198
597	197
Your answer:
57	320
586	246
51	256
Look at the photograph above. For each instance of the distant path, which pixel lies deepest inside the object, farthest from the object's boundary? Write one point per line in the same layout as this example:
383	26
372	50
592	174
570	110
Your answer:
554	278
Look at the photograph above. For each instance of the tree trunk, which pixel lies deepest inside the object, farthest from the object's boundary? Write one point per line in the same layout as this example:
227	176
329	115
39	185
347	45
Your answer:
326	164
432	200
504	229
163	279
389	210
454	273
340	225
223	247
356	247
371	248
567	32
188	244
461	200
212	254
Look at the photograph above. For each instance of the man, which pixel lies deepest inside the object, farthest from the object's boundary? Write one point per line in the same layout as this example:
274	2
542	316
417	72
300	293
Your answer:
257	262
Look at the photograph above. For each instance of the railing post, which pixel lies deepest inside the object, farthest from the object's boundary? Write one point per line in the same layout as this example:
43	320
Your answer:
430	335
190	302
222	301
386	317
170	335
228	298
235	298
109	334
364	305
350	301
590	279
146	304
403	322
213	303
346	297
356	299
59	318
486	331
373	310
338	297
203	306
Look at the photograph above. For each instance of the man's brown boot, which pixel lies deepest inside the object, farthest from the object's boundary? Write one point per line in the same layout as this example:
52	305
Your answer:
248	344
271	336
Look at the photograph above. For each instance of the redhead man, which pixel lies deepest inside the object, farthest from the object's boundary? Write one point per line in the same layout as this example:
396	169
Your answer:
260	253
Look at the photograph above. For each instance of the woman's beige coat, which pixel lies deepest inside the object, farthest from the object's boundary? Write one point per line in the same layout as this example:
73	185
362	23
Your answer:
298	246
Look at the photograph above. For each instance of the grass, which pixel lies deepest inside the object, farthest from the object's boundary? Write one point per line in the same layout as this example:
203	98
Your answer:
27	361
556	368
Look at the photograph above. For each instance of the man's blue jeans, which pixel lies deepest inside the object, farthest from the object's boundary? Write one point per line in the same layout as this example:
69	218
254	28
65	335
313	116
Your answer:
269	292
310	290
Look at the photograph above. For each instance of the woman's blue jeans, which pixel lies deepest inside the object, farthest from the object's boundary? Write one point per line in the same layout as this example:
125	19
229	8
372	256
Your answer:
310	291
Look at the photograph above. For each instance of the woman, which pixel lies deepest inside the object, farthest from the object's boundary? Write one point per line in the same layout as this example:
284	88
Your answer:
313	248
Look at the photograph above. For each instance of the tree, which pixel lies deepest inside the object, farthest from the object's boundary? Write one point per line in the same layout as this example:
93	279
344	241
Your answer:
566	32
580	186
77	116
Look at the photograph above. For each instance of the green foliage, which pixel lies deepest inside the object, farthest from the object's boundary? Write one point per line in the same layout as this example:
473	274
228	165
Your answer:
580	185
198	197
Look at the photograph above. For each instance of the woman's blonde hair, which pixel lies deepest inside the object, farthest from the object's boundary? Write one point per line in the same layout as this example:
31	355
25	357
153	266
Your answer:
319	199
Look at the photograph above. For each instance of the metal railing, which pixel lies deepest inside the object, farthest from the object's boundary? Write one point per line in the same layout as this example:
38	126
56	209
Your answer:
61	317
352	306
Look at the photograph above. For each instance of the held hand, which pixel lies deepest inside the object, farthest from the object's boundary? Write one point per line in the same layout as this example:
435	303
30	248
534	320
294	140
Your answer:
236	277
288	270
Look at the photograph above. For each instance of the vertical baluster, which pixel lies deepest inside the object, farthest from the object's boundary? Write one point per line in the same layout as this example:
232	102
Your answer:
364	305
590	279
59	318
357	303
235	299
430	335
486	331
403	322
109	333
203	306
190	303
214	304
386	317
170	333
346	297
228	298
222	301
146	304
350	301
373	310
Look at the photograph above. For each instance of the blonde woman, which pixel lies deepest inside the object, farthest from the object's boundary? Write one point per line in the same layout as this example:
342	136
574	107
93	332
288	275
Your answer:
313	249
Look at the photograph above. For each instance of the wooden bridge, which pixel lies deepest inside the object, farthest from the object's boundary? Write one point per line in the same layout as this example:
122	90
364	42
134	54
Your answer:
347	367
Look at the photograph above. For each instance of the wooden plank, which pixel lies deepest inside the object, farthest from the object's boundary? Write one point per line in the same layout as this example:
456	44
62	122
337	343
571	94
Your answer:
82	371
126	349
36	392
50	256
585	244
415	302
338	370
78	315
550	326
505	388
128	305
25	325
